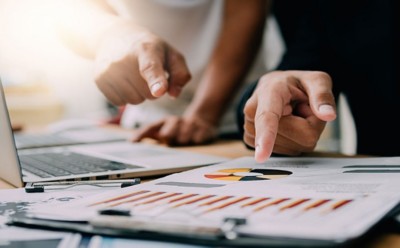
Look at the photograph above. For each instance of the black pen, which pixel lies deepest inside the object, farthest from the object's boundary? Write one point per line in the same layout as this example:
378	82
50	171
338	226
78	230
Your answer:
40	186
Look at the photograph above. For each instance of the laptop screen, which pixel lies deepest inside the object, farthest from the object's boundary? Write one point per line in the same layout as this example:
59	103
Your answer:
10	169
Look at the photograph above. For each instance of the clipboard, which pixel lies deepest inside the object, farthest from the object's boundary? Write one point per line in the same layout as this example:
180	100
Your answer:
342	220
214	237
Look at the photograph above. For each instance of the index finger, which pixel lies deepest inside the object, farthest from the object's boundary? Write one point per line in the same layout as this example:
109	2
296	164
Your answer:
151	66
266	121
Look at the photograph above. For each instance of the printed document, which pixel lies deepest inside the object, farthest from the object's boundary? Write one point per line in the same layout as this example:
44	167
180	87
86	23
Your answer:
309	198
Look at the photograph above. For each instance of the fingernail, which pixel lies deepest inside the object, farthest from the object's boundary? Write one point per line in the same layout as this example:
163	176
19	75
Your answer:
155	88
326	109
258	149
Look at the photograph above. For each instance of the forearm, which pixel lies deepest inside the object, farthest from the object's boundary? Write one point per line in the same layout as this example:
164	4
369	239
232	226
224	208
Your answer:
236	48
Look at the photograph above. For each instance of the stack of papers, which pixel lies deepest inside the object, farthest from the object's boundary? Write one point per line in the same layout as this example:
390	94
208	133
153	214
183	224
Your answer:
324	199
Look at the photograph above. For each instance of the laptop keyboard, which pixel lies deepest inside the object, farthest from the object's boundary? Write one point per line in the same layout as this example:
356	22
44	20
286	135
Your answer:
66	164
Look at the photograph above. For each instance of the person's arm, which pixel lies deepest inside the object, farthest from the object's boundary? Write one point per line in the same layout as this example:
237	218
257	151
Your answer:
235	50
82	24
287	112
131	63
237	46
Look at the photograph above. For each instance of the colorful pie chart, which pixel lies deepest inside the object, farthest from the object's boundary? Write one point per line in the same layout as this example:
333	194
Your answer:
247	174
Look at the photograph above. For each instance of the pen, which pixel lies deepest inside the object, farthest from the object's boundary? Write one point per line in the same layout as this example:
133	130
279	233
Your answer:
40	186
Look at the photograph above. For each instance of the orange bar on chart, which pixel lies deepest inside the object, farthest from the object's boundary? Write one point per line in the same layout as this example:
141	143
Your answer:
274	202
191	201
222	198
227	204
316	204
255	202
119	198
340	204
137	198
293	204
158	198
182	198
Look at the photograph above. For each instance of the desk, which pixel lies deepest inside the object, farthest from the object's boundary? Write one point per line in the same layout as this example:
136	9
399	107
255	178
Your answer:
235	149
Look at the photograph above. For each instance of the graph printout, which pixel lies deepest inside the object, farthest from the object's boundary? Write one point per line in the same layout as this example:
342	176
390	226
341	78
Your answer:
315	198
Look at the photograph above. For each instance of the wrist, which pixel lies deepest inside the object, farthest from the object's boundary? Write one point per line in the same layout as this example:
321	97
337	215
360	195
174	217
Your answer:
209	114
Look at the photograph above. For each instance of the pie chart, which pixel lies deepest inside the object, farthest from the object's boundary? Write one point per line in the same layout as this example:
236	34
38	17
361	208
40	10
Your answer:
247	174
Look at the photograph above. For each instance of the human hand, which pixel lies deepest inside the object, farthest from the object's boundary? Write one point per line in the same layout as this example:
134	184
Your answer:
287	112
133	65
175	130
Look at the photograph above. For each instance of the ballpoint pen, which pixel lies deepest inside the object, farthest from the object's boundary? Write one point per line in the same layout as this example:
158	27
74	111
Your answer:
40	186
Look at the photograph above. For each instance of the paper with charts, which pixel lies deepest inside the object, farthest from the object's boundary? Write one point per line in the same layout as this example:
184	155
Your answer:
309	198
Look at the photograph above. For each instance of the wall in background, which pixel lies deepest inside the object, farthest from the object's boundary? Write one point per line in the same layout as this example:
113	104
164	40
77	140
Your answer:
31	53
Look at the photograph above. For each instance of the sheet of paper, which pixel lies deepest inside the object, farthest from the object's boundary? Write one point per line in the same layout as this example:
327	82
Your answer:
17	202
316	198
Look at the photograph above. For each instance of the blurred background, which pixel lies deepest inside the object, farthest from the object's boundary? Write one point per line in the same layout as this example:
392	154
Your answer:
44	80
47	82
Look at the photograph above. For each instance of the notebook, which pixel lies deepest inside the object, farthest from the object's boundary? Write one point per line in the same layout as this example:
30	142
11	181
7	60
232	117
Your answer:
100	161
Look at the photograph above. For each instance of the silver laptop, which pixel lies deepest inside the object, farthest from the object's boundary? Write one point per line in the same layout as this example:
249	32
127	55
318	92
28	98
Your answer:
111	160
75	134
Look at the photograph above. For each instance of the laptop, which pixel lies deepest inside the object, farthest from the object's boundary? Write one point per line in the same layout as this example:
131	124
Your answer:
84	134
99	161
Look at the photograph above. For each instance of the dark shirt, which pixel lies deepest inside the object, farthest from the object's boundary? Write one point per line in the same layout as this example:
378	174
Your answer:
357	43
